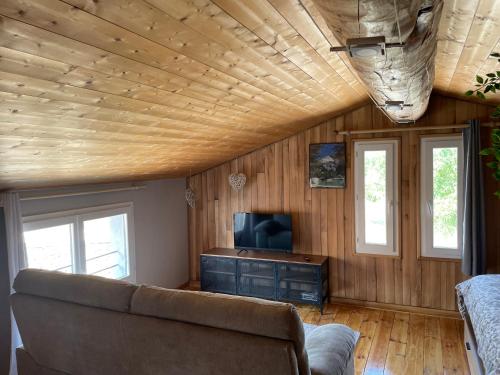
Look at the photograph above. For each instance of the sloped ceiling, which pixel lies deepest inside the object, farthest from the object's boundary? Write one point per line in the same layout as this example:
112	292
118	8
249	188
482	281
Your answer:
108	90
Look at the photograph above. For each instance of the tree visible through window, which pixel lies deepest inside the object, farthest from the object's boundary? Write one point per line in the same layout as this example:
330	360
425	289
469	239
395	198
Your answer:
441	196
445	191
376	197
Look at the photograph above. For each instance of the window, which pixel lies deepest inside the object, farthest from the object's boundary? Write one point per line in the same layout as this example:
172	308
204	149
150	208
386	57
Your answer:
441	203
376	197
95	241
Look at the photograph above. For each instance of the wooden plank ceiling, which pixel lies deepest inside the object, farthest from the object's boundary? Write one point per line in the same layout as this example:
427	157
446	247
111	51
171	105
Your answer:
109	90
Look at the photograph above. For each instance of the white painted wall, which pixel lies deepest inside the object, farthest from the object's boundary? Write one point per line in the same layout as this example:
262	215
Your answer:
160	222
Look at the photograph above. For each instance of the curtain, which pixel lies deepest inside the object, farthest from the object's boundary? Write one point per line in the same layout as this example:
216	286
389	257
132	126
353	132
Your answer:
4	300
16	258
474	233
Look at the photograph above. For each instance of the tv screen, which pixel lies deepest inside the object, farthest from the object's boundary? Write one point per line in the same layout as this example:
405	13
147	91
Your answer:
262	231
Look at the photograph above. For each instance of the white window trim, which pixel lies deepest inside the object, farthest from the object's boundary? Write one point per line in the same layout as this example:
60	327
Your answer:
77	217
392	163
427	250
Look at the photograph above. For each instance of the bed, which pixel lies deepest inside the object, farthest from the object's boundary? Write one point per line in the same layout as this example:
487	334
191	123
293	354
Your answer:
479	305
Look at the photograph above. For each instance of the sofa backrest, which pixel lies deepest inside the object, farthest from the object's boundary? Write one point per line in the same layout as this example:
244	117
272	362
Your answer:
89	325
80	289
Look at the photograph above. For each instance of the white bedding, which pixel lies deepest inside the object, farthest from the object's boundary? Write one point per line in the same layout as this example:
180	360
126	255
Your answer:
479	298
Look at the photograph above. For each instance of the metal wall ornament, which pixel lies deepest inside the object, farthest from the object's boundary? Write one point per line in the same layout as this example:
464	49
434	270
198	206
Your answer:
191	197
237	180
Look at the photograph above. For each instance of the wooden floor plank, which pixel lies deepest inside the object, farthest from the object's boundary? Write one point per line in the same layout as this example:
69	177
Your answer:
396	353
367	332
378	353
433	355
463	356
343	315
356	318
414	364
451	347
398	343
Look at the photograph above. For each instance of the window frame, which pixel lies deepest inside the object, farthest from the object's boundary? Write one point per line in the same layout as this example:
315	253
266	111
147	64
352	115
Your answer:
426	248
77	218
392	147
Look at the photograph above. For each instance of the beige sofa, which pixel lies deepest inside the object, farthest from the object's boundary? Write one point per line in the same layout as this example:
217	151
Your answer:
73	324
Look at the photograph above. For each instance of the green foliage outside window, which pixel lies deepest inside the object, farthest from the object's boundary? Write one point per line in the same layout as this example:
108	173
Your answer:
494	152
445	177
375	176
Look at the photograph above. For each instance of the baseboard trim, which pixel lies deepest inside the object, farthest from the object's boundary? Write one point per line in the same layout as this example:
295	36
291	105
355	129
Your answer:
185	285
394	307
195	285
191	285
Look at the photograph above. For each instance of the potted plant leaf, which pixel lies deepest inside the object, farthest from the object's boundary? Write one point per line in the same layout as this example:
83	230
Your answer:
485	85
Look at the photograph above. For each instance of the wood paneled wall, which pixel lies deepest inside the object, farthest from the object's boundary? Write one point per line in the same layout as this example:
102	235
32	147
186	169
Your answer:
277	181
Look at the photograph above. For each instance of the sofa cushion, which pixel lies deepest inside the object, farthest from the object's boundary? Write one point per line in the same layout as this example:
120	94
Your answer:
242	314
81	289
84	340
330	349
27	365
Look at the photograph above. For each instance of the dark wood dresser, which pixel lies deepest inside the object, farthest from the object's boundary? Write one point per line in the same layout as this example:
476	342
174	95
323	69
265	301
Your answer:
290	277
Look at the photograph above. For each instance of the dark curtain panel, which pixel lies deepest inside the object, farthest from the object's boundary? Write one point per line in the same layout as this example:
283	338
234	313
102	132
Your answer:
4	301
474	226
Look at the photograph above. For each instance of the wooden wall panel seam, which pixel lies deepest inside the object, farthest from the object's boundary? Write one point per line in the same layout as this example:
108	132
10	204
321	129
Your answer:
277	181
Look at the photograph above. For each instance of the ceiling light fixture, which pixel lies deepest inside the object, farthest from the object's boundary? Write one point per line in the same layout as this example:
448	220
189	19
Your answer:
405	122
394	105
366	47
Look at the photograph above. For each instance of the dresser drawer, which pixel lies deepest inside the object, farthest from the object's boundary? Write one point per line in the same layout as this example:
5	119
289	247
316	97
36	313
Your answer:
218	274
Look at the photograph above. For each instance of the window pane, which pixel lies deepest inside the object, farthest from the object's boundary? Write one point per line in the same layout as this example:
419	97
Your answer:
50	248
375	197
106	246
445	197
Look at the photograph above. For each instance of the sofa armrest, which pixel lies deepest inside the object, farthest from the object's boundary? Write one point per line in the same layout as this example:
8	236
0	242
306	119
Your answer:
330	349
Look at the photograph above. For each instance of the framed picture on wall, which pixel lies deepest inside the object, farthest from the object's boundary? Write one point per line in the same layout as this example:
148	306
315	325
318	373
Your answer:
327	165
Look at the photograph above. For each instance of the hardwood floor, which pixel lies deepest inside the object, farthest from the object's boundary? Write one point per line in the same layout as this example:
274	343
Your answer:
398	343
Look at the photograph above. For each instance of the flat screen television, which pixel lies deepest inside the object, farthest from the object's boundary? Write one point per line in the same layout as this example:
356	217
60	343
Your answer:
262	231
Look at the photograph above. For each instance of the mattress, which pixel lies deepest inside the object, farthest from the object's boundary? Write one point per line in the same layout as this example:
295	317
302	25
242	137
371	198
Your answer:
479	301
